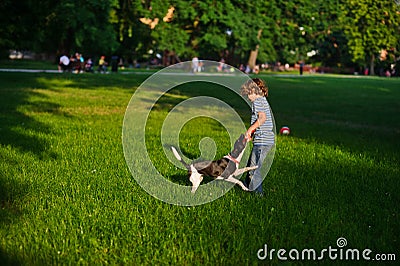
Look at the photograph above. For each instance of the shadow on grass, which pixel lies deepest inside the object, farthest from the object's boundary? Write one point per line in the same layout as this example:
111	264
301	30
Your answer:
19	130
87	81
8	260
10	193
21	133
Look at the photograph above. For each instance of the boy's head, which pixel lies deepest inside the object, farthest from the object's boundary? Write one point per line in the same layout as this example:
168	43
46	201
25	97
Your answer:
254	86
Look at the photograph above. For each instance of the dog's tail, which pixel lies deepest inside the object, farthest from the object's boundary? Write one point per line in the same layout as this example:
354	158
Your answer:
175	152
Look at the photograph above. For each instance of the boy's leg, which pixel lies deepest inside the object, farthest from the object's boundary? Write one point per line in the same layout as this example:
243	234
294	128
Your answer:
250	163
260	153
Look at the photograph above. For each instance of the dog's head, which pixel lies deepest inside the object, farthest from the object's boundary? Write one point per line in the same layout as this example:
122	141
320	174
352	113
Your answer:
239	147
195	178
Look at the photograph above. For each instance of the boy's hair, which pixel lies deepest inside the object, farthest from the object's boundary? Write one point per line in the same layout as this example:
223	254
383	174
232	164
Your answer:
256	86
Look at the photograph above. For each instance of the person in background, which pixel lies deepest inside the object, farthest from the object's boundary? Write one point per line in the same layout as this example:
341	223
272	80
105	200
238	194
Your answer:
63	63
89	65
103	64
195	64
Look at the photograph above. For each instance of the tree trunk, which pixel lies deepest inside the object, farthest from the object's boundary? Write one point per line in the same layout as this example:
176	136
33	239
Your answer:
254	53
372	66
253	58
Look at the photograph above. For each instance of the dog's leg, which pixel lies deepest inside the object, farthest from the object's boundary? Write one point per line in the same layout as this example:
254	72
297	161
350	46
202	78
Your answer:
233	180
195	178
236	181
244	170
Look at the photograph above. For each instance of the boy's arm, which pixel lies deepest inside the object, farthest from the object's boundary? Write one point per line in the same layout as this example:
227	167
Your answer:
262	117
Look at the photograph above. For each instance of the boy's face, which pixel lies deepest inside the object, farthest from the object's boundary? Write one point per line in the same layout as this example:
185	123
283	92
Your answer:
252	97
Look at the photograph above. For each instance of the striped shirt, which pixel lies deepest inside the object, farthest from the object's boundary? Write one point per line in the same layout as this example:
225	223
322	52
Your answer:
264	134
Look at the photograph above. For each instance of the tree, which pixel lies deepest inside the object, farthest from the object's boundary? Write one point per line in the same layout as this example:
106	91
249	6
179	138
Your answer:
133	36
370	26
20	25
209	29
81	26
334	32
301	27
63	26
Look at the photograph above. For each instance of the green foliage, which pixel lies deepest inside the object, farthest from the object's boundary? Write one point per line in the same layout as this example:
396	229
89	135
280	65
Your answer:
79	25
339	32
58	27
20	24
370	26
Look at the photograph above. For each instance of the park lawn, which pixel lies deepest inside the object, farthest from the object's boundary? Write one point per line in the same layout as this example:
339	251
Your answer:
67	196
28	64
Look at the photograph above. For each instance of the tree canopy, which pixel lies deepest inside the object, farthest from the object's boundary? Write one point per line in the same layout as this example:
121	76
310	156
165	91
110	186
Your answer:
329	32
370	27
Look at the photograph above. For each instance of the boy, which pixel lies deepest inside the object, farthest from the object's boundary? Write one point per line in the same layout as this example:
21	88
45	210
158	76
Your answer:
261	130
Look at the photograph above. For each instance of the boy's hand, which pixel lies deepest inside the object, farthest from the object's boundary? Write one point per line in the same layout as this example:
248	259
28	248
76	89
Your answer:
249	134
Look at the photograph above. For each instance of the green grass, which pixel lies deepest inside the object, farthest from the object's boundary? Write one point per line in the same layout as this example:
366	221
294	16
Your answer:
27	64
67	196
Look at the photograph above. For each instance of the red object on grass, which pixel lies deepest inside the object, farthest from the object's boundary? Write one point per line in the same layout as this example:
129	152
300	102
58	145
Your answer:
284	130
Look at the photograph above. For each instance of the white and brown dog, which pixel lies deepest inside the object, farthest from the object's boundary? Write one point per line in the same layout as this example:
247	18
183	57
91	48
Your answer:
225	168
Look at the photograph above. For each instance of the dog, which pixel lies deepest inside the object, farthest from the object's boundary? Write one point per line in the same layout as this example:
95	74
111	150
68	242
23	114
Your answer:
225	168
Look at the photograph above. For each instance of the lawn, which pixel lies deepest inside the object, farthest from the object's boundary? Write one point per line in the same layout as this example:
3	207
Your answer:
27	64
68	197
